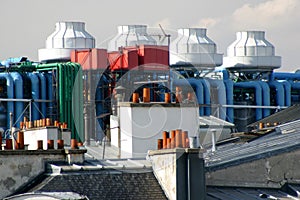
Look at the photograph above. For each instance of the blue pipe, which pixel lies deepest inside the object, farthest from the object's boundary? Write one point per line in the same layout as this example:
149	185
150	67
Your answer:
287	92
280	95
229	99
206	93
50	93
258	94
221	94
43	93
35	94
10	95
198	88
265	97
285	76
19	106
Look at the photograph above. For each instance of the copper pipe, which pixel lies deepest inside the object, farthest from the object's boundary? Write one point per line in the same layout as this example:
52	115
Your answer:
187	143
173	133
40	144
146	95
159	144
20	140
178	142
167	98
172	142
48	122
165	136
169	143
50	144
21	125
60	144
8	144
74	144
44	122
135	97
184	136
261	125
56	123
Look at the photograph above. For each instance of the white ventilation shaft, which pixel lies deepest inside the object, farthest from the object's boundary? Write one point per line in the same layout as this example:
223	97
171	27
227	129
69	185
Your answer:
67	37
131	35
192	46
251	51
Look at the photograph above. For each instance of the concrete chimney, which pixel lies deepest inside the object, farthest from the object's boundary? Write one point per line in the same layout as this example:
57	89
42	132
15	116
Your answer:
180	172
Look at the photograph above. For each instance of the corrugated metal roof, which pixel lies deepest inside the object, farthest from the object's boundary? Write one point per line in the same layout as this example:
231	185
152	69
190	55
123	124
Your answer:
233	154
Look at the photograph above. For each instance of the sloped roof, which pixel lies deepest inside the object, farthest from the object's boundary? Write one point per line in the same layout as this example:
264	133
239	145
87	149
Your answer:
106	179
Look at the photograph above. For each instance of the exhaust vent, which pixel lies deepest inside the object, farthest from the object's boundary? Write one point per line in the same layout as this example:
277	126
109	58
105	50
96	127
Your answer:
67	37
251	51
131	35
192	46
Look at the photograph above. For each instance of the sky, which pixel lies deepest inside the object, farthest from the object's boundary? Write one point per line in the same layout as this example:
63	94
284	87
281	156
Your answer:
26	24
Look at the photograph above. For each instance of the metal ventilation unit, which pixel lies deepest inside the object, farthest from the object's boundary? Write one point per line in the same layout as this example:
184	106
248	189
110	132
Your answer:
192	46
67	37
131	35
251	52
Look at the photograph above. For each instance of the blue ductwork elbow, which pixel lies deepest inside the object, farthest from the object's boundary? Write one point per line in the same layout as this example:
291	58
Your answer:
285	76
229	100
19	105
265	97
35	94
280	94
206	93
10	95
258	94
287	92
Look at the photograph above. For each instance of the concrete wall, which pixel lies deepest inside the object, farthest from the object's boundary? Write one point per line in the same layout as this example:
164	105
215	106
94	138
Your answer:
18	167
180	172
142	124
270	172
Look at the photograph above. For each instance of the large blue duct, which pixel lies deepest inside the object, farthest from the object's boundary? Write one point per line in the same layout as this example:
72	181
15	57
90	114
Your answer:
284	76
206	93
280	94
10	95
50	93
265	97
229	100
258	94
287	92
19	105
43	93
35	94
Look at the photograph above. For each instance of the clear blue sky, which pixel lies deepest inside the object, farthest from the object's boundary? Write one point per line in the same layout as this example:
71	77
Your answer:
25	24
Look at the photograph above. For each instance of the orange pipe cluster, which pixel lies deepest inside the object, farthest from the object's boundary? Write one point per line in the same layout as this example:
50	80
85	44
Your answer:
146	96
41	123
173	139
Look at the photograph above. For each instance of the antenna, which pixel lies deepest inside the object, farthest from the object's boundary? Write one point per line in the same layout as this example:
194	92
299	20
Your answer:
165	34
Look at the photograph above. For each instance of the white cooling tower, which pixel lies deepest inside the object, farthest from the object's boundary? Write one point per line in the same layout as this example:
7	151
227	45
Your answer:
130	35
192	46
67	37
251	51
